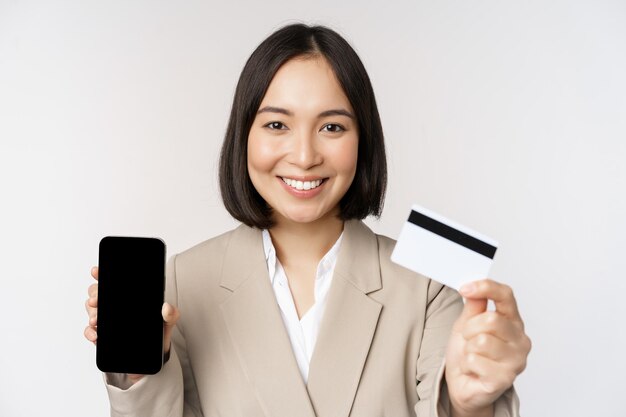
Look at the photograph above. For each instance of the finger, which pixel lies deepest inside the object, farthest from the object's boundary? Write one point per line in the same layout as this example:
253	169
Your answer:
471	309
494	377
92	302
501	294
94	272
490	347
493	323
91	334
93	290
134	378
170	317
170	314
91	312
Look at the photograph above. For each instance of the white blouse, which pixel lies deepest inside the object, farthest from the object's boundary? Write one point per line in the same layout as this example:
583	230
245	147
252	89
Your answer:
302	333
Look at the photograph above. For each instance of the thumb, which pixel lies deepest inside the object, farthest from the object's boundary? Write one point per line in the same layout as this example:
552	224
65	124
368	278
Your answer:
170	317
473	307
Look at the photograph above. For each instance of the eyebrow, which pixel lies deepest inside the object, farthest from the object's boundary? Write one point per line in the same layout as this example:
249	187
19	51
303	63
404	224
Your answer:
326	113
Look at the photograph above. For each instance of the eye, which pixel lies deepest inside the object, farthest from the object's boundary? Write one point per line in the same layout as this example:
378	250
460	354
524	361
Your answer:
333	128
275	126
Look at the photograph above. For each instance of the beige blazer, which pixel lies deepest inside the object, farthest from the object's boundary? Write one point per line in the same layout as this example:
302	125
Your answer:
379	351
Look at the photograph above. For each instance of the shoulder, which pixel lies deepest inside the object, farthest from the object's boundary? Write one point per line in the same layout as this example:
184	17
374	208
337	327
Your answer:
207	258
399	273
405	294
219	244
196	277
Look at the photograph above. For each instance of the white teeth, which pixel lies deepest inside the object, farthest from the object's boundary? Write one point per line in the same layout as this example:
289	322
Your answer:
302	185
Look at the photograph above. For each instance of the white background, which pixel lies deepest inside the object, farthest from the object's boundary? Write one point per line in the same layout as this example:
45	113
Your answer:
506	116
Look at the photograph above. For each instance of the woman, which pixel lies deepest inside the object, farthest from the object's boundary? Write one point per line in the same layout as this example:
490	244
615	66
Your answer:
299	311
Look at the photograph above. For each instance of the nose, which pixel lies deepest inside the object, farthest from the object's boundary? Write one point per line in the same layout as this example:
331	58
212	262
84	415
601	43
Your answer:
305	153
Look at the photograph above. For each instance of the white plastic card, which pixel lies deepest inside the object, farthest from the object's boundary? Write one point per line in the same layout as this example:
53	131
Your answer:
443	250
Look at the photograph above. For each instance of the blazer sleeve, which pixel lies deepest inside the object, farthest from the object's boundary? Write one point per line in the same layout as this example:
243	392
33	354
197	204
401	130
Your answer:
443	307
169	393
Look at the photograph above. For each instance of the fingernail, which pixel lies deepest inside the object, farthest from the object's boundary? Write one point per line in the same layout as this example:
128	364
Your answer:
467	289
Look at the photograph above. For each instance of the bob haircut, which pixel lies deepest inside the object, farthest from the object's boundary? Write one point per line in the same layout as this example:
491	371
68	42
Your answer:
367	191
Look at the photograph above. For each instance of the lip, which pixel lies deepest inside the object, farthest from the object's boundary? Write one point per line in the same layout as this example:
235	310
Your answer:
302	178
303	193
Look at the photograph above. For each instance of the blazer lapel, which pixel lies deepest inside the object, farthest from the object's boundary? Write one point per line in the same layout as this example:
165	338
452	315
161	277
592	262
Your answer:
257	331
348	325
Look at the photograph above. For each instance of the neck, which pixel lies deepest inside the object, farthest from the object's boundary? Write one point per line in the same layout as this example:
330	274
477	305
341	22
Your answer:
305	242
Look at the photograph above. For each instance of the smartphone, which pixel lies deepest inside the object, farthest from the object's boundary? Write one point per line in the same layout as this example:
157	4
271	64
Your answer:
131	290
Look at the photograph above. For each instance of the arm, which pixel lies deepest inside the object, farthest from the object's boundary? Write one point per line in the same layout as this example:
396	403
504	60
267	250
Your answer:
171	392
486	352
444	309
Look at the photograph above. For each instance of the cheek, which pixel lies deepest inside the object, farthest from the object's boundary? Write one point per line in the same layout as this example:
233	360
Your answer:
262	156
346	157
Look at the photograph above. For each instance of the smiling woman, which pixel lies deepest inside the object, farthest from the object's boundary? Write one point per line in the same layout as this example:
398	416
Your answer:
283	78
299	311
303	144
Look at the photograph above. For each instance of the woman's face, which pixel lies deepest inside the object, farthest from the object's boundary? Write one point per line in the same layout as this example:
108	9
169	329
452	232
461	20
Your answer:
303	143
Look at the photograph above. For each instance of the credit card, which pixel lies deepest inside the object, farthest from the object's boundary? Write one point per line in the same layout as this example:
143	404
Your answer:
442	249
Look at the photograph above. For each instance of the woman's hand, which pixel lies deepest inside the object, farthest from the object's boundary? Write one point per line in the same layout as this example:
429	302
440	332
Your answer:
169	312
487	349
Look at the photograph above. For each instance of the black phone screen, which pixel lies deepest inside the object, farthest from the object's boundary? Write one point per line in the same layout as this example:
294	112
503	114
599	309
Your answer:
131	287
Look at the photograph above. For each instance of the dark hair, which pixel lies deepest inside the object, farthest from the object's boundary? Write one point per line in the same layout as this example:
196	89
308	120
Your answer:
367	191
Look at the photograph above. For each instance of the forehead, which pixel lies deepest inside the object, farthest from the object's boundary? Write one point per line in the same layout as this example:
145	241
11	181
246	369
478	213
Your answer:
306	83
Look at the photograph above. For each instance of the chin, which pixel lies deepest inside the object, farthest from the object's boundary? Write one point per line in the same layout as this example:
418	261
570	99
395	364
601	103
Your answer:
303	217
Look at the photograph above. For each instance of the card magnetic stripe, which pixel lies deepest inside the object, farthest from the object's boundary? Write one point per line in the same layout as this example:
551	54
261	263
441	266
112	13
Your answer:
452	234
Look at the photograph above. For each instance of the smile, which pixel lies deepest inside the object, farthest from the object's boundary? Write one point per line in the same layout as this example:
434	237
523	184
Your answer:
302	185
